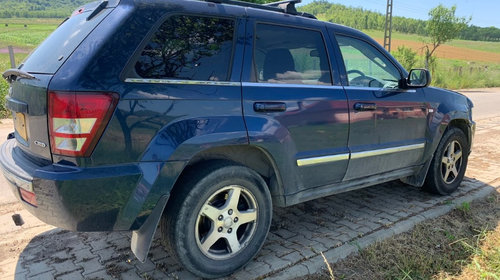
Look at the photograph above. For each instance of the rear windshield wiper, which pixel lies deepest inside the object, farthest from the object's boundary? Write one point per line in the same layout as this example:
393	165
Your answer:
11	75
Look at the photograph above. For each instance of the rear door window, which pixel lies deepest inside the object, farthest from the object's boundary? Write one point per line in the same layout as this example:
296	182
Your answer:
189	48
290	55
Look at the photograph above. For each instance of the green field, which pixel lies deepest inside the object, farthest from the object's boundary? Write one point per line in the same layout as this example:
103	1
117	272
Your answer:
493	47
15	34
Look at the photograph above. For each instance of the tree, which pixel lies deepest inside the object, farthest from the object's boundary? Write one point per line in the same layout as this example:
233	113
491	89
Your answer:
442	27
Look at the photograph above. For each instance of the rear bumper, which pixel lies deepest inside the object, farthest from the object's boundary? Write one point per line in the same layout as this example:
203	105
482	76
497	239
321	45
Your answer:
80	199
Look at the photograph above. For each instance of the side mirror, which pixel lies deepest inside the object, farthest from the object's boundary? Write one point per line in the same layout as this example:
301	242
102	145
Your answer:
418	78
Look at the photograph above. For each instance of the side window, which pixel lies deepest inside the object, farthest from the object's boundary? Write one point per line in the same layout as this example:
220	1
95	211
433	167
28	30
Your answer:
366	66
290	56
189	48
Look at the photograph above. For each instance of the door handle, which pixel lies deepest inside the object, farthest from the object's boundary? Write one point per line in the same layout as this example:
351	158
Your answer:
365	106
269	107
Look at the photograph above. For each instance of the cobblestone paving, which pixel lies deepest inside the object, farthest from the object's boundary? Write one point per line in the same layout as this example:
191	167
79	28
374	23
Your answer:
337	225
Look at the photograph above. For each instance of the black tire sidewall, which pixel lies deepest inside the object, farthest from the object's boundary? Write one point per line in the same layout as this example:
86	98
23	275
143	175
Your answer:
436	183
183	227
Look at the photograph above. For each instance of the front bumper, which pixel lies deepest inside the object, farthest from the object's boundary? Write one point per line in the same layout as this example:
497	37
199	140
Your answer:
73	198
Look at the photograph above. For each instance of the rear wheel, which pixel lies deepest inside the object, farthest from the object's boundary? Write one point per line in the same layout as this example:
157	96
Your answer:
449	163
219	220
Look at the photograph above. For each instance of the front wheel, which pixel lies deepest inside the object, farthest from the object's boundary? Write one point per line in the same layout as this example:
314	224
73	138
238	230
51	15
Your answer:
219	220
448	166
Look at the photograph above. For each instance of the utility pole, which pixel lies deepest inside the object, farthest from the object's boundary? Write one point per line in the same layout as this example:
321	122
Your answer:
388	26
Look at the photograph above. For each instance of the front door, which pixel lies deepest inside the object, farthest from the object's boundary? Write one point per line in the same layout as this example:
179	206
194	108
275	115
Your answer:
388	124
294	106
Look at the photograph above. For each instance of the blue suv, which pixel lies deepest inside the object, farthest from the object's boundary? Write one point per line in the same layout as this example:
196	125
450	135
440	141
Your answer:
201	116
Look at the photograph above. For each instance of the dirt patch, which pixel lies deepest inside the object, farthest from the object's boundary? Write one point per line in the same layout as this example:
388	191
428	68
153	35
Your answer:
10	207
446	51
16	50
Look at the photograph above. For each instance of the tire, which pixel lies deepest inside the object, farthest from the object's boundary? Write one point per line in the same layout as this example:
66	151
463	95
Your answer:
205	209
449	163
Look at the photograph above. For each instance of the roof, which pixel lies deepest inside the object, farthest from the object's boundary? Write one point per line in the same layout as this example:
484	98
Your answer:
285	6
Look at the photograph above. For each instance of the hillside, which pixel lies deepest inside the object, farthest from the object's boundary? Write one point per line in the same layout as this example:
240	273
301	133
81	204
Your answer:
360	18
39	8
354	17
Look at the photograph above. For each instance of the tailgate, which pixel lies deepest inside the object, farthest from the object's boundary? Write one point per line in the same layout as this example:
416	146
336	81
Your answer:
27	100
27	97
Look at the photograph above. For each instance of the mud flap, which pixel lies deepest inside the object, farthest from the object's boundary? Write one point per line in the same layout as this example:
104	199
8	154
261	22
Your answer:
418	179
142	238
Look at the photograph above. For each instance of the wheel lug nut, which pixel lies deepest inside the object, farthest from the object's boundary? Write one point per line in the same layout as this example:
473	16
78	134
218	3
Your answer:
219	229
230	212
229	230
221	217
236	219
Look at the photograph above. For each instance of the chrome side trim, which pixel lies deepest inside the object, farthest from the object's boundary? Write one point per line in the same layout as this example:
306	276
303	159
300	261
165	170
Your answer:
276	85
323	159
380	89
181	82
380	152
358	155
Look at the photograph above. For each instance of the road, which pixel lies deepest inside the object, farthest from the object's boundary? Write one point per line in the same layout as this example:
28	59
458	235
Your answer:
486	102
336	226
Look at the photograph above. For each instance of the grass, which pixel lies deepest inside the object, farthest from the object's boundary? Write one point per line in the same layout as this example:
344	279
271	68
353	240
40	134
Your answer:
30	21
493	47
463	244
4	86
26	38
459	74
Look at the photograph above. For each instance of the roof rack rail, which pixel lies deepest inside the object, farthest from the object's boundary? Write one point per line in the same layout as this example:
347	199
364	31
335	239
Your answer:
286	6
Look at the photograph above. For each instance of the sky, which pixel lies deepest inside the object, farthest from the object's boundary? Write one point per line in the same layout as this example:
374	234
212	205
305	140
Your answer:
484	13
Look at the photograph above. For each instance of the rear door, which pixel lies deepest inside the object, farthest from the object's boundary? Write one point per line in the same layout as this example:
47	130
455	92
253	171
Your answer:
27	97
294	105
388	124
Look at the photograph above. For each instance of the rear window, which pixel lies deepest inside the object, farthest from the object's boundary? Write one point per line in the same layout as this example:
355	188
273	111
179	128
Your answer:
52	53
189	48
289	55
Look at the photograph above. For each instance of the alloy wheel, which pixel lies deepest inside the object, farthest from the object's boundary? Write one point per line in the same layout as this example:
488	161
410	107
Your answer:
226	222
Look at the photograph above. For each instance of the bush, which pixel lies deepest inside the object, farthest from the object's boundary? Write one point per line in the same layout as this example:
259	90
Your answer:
4	89
406	57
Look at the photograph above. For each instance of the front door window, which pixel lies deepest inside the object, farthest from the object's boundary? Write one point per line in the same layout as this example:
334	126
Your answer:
366	66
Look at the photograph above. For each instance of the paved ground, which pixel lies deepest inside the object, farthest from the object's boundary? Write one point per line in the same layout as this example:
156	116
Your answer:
337	226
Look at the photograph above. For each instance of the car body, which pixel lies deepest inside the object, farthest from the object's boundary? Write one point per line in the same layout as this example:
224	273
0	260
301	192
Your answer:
108	134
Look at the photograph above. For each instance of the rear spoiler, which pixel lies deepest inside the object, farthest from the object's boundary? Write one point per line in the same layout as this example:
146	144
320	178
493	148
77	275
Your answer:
12	74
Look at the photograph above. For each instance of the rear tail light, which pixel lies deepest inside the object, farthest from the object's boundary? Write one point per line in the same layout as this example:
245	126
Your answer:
78	119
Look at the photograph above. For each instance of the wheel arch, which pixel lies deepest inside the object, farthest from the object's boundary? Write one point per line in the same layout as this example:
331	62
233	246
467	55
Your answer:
249	156
464	125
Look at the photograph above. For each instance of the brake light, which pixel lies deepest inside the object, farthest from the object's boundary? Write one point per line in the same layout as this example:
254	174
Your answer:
78	119
78	11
